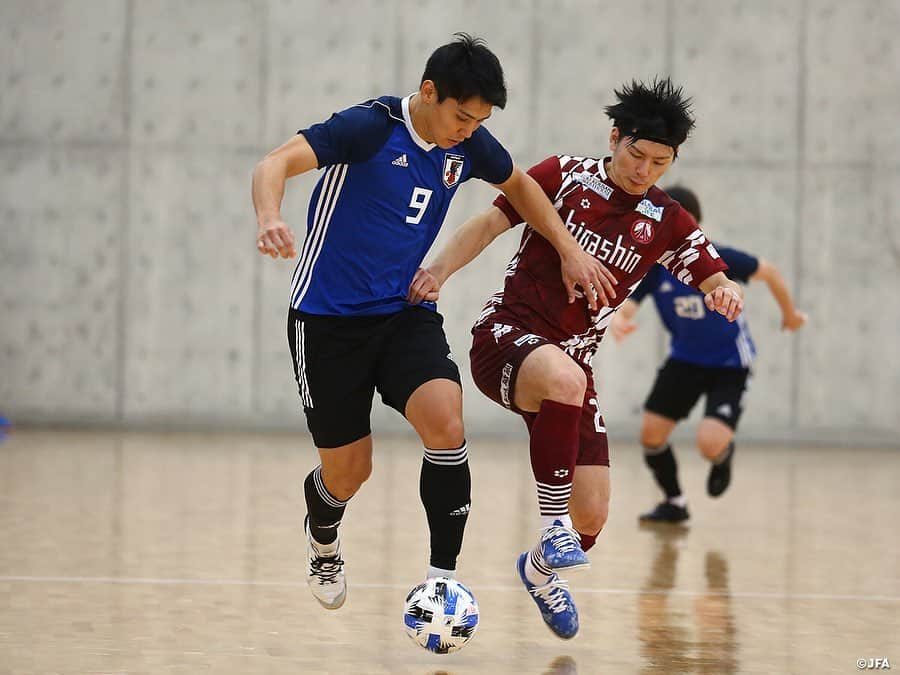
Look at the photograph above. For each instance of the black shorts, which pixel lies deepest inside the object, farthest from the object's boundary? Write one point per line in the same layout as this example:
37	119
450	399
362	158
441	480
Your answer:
339	362
680	384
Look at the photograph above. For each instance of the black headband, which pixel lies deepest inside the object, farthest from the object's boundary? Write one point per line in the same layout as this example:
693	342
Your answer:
637	134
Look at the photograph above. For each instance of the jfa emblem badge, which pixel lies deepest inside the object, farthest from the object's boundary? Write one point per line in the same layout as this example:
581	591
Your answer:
453	165
642	231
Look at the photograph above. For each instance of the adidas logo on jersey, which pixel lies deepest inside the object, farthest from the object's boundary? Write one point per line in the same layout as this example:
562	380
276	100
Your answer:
401	161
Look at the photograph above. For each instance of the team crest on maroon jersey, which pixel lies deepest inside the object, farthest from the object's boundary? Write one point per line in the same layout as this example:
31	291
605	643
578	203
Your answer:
453	165
642	231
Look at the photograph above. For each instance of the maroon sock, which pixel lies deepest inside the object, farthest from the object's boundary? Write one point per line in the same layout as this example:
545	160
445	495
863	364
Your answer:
554	449
588	541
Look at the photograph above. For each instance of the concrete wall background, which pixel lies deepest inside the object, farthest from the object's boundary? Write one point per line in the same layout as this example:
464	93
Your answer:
130	290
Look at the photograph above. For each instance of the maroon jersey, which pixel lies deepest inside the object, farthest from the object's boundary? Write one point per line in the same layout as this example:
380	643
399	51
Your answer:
627	233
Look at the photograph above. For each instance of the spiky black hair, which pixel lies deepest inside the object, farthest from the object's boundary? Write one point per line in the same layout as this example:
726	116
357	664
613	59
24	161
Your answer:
658	112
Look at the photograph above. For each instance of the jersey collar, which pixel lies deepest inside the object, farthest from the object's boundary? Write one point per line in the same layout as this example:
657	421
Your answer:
618	194
418	140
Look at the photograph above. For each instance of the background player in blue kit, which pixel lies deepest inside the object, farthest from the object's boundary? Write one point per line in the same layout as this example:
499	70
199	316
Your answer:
709	356
391	167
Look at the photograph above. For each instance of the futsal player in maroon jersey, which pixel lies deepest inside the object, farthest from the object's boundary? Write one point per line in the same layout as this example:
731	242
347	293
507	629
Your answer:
534	341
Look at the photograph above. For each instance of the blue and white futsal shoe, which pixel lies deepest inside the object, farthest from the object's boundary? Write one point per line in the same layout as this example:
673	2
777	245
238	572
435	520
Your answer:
555	602
561	548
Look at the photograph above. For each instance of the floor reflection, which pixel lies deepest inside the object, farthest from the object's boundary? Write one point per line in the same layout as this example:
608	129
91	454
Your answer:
698	638
164	553
562	665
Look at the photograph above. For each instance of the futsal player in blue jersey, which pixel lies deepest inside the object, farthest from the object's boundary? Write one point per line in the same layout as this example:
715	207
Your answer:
709	356
390	169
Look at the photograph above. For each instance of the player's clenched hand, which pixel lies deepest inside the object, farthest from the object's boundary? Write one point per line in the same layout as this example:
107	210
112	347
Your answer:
585	271
793	321
424	287
275	239
726	301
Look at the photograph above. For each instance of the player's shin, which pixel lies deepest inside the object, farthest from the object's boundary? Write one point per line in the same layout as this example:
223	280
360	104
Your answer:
665	469
325	566
554	449
324	509
445	487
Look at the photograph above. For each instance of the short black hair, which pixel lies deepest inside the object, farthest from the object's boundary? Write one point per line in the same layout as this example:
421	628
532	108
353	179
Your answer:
465	68
657	112
687	199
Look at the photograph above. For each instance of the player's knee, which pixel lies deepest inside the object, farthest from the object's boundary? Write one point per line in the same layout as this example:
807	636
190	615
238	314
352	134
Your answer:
355	473
444	431
711	445
652	438
713	437
567	385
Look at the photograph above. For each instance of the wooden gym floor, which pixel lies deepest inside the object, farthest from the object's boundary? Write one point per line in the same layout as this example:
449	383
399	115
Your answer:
183	553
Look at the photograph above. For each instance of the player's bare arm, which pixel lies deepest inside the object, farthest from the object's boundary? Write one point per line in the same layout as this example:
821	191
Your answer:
623	323
723	295
470	239
578	267
274	237
791	318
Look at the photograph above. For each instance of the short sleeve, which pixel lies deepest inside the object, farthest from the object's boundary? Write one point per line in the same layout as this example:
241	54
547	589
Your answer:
547	174
350	136
741	265
490	160
691	257
648	284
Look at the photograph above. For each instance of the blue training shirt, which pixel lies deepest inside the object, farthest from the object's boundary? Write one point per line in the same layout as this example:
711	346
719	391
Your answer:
379	205
699	336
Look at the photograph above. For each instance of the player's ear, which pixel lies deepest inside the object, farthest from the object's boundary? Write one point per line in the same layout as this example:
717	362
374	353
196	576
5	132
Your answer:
613	138
428	91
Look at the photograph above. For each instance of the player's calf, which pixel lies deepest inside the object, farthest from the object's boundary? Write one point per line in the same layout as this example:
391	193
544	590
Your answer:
445	487
661	462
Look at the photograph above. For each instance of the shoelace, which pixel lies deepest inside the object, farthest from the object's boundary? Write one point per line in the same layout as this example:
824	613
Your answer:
552	594
326	569
563	538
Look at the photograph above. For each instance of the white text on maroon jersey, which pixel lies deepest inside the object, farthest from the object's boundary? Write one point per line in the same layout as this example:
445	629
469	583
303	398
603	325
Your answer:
618	253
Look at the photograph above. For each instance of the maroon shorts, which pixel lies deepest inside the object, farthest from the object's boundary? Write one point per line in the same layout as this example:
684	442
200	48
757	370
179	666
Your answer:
496	355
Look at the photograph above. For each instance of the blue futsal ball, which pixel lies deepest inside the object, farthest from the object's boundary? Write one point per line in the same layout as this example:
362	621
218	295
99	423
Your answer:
441	615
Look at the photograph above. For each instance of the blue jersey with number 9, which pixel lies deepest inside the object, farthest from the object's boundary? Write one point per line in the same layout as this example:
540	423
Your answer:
379	205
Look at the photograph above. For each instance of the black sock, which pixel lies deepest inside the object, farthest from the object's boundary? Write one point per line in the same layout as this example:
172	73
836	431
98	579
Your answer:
324	509
445	487
665	470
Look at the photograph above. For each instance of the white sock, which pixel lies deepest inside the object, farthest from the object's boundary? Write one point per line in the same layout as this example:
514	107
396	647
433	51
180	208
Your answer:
438	572
536	574
326	550
678	501
547	521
